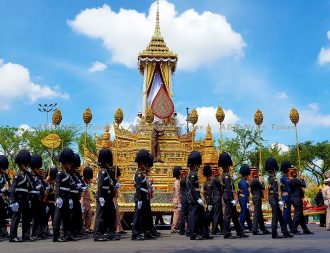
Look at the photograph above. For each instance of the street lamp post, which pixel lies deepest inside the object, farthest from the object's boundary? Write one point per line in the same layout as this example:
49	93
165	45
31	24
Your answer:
47	108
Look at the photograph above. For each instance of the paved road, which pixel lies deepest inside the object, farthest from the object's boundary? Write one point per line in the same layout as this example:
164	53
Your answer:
319	242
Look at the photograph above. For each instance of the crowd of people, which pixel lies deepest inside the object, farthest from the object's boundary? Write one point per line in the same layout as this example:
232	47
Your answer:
62	196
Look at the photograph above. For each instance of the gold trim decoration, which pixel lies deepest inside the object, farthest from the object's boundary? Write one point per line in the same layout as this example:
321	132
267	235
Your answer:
193	118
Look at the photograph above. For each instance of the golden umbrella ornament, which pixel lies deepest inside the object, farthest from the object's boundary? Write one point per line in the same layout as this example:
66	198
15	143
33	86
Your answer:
220	116
193	118
87	117
258	119
119	117
294	117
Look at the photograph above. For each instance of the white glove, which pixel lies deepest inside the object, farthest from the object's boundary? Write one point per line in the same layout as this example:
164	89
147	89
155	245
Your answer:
38	187
82	209
233	202
248	205
102	201
139	203
47	209
59	202
14	207
79	185
3	189
179	206
209	208
117	185
70	203
281	204
201	202
84	188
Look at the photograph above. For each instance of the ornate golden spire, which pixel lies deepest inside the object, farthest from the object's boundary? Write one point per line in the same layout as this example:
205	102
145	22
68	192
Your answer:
157	46
157	27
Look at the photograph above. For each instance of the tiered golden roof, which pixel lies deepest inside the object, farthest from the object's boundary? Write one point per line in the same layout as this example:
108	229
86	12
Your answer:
157	49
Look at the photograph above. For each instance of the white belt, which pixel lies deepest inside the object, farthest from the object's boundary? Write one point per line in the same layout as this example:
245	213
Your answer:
106	187
106	178
144	190
74	191
197	189
21	190
65	189
22	182
64	179
36	192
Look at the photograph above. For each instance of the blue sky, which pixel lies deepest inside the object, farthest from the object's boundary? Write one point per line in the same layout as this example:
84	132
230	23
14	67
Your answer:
268	58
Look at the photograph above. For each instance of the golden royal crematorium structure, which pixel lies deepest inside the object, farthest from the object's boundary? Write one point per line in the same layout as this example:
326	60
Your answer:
156	62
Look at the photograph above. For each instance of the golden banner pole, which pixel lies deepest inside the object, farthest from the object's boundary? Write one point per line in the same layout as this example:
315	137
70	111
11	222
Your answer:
258	119
294	117
193	118
119	116
220	116
87	117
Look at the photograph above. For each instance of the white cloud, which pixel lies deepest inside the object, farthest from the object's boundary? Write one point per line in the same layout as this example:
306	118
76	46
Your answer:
313	117
282	95
97	67
324	55
206	115
282	148
197	38
15	82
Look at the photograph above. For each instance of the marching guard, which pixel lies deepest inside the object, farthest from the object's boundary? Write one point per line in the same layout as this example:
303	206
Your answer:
244	196
64	203
286	195
230	212
19	198
217	193
198	227
257	187
105	209
4	164
296	186
271	167
141	220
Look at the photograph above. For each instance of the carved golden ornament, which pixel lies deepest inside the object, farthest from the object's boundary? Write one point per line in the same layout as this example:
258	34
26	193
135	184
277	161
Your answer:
220	115
51	141
87	116
193	116
119	116
258	117
106	128
294	116
149	116
57	117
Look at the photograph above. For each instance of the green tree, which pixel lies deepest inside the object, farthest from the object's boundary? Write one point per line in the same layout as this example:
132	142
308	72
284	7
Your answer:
90	143
241	146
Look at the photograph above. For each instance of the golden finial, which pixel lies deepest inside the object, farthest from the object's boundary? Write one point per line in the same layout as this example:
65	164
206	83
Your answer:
193	116
294	116
157	27
87	116
149	116
107	128
220	115
119	116
57	117
258	117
